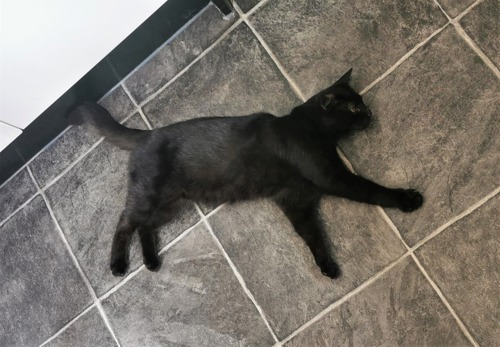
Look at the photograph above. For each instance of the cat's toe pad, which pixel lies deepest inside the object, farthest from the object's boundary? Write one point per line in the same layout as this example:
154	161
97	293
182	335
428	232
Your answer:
410	200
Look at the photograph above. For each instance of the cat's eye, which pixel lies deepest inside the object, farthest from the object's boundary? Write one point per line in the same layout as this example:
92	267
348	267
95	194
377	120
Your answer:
354	109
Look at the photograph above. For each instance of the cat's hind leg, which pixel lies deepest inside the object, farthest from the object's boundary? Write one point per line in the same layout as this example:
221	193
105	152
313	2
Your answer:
148	236
121	240
144	212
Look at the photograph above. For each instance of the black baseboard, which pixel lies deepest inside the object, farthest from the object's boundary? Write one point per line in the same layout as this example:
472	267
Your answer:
157	29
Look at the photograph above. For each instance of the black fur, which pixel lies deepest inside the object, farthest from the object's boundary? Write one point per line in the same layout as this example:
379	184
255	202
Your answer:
292	160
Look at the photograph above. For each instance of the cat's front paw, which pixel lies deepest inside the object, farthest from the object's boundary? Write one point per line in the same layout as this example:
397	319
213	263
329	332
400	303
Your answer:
410	200
153	263
329	268
119	268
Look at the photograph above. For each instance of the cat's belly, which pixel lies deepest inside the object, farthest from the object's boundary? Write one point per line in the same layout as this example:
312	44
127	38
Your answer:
238	184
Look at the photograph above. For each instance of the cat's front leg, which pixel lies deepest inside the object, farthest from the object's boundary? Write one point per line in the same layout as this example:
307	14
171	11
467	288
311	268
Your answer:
360	189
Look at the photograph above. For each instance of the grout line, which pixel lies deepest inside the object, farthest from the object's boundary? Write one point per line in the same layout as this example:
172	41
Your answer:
144	118
34	157
72	165
429	237
200	212
254	9
72	255
214	211
242	282
180	237
81	157
460	30
106	322
402	59
139	109
456	218
64	328
273	57
6	219
410	250
237	274
122	82
443	11
460	15
133	273
297	90
109	92
25	165
170	39
445	302
466	11
393	227
346	297
120	284
476	49
64	239
97	302
349	165
194	61
345	160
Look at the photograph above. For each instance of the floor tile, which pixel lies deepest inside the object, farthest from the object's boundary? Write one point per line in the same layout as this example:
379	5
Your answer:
16	192
279	268
399	309
194	300
482	26
88	330
236	78
88	202
436	117
454	7
77	140
463	261
177	54
317	41
247	5
41	287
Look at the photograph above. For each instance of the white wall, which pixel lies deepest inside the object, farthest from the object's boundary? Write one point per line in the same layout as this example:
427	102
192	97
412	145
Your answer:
48	45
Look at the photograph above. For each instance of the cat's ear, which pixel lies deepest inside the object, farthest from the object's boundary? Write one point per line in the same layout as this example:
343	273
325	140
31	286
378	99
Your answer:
345	78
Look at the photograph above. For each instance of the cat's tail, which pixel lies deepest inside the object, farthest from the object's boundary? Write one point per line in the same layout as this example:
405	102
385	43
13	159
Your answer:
96	115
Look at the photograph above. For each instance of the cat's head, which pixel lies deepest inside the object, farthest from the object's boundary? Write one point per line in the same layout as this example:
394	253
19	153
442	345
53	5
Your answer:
338	108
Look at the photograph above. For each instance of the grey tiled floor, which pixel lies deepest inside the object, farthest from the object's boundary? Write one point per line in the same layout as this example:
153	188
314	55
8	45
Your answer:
237	274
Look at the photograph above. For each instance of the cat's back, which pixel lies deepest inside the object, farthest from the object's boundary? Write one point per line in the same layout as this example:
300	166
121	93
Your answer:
215	142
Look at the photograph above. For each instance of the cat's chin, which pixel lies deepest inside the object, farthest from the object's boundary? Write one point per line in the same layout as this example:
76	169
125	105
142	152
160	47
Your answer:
361	124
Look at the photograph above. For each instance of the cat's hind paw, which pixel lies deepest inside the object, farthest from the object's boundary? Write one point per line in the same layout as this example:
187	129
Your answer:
410	200
153	263
119	268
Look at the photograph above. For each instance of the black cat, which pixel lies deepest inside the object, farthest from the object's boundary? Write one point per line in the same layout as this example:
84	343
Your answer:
292	160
